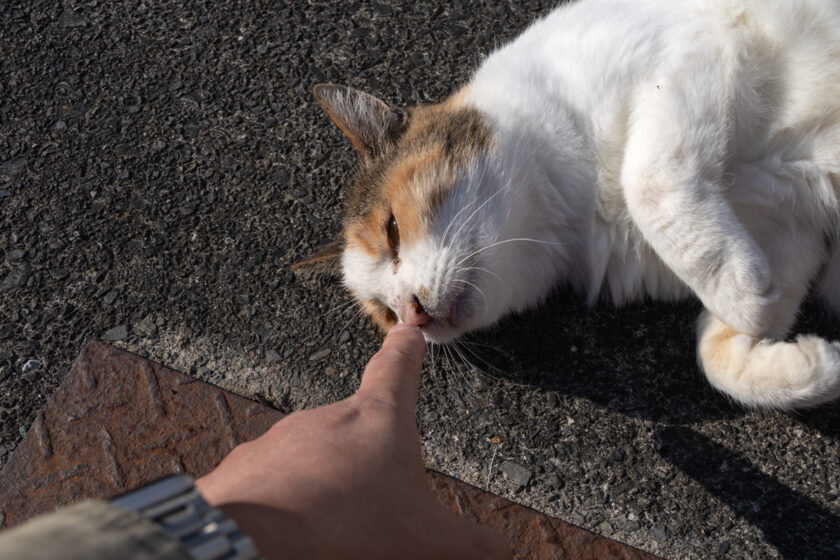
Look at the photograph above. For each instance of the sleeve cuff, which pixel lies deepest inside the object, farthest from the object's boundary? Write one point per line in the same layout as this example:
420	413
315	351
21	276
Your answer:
92	530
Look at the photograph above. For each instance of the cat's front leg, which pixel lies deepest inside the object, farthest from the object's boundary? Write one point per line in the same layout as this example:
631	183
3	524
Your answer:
673	182
696	233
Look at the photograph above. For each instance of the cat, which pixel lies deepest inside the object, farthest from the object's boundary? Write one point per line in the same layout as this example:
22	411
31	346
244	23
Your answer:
627	149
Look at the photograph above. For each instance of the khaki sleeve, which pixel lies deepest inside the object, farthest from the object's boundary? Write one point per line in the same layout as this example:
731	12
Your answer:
90	531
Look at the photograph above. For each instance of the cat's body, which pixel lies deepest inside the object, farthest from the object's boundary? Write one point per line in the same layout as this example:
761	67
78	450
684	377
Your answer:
628	149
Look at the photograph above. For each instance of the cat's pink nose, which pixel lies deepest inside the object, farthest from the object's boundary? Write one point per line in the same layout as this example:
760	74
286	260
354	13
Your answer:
413	313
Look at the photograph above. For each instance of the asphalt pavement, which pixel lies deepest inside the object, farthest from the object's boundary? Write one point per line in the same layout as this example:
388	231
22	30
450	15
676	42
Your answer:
162	164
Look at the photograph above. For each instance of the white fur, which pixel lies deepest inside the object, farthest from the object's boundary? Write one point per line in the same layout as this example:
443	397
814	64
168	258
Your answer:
664	148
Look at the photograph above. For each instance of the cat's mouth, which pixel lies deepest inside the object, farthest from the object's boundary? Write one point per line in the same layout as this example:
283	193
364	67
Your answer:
443	327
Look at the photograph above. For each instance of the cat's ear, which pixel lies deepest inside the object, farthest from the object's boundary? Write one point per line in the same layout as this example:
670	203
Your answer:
371	124
325	262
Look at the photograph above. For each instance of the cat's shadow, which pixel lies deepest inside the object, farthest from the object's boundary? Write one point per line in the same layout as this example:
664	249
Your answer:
638	360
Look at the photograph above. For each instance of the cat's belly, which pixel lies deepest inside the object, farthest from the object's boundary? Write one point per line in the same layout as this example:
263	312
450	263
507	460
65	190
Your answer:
624	268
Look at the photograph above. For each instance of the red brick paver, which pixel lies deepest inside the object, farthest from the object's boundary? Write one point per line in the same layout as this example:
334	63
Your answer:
119	421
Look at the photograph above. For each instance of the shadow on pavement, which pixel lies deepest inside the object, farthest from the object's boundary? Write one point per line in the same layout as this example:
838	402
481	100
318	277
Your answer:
796	525
638	360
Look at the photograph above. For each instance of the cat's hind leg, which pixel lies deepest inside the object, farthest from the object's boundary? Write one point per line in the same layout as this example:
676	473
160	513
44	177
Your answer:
766	373
829	288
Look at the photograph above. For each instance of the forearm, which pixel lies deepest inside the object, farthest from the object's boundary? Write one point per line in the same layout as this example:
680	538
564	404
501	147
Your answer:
90	531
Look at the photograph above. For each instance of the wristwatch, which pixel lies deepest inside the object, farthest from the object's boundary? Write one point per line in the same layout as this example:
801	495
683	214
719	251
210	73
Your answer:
175	504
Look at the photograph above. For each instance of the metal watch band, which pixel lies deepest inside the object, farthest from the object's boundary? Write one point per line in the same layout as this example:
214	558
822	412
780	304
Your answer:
206	532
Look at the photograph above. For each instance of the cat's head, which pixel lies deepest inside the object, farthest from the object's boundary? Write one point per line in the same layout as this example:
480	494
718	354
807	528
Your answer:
423	212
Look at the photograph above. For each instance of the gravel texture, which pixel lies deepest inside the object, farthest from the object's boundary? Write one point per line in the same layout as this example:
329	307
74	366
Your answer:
161	166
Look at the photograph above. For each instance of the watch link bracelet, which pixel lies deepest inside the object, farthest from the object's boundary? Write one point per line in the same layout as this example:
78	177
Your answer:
175	504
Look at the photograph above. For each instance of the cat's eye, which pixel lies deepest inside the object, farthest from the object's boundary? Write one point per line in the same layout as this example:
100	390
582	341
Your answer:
393	235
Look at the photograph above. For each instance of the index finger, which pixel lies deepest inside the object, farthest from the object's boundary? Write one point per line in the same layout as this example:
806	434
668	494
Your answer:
393	374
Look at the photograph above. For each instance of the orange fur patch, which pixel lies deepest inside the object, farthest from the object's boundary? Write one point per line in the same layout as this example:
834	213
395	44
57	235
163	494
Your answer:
410	189
369	234
380	314
716	351
412	178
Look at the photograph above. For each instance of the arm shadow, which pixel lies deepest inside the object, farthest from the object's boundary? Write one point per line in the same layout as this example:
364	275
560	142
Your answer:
797	526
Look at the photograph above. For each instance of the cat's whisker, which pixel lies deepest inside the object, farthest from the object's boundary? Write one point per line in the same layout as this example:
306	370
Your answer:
432	361
471	202
491	197
479	290
465	346
340	308
456	371
464	208
504	241
478	268
360	312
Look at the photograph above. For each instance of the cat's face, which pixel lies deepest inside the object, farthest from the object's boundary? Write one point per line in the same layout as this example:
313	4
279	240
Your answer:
414	238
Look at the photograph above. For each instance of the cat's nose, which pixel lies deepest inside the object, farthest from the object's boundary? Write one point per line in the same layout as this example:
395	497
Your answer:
414	313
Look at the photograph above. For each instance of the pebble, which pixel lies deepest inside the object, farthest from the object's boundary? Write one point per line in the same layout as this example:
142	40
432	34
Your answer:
69	18
456	398
605	528
577	519
13	167
431	416
59	273
383	9
660	533
723	548
191	99
16	278
58	126
145	328
117	333
343	337
516	474
125	150
320	355
273	355
281	176
16	255
631	526
30	365
111	297
553	481
5	194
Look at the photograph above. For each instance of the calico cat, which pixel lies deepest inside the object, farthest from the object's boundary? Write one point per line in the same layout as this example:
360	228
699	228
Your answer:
628	149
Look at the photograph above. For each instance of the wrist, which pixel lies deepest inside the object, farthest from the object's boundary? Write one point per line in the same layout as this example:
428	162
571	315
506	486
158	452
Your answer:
178	508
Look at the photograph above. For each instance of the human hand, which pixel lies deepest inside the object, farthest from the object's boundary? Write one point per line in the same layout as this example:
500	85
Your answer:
347	480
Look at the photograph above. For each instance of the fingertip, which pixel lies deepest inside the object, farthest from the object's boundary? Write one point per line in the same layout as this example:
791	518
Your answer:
407	336
394	372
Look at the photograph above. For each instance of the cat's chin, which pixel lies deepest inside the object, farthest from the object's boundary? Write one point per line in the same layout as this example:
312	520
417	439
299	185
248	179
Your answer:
440	333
